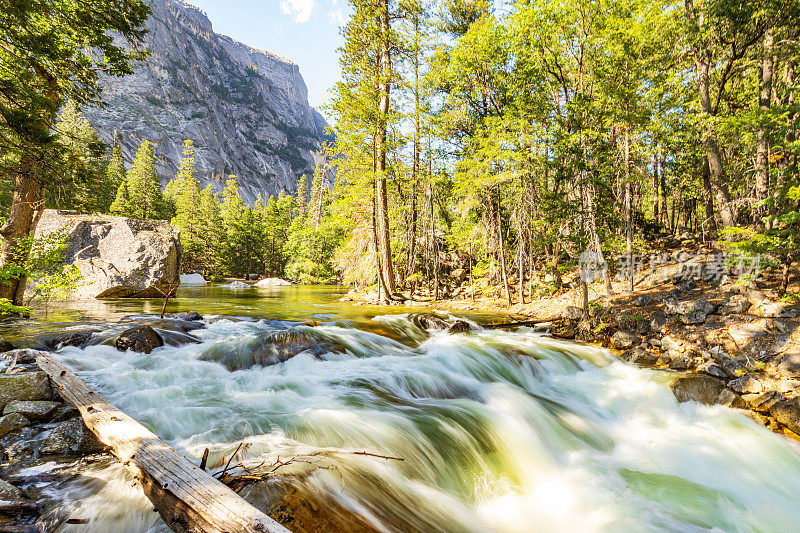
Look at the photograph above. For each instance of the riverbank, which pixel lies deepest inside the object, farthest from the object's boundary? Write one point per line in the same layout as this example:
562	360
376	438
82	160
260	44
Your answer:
729	341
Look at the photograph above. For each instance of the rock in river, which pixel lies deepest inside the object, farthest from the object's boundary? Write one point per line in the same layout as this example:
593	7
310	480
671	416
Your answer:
697	387
139	339
118	257
272	348
624	340
69	438
192	279
272	282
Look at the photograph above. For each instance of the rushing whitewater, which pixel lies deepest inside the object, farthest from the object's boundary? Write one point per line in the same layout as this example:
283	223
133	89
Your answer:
498	432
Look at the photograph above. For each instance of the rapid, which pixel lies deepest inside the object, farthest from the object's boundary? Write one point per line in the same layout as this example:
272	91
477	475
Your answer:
486	431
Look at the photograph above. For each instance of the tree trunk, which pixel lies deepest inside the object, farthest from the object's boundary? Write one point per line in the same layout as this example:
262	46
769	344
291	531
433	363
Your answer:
26	207
708	200
664	219
656	182
382	210
595	236
628	208
788	101
762	149
702	60
501	246
521	268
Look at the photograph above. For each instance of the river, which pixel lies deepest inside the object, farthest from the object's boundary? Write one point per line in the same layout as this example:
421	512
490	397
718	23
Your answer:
497	431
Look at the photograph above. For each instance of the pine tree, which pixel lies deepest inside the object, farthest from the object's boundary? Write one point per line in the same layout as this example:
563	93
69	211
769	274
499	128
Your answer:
213	254
182	194
146	201
115	177
232	211
302	196
84	186
121	204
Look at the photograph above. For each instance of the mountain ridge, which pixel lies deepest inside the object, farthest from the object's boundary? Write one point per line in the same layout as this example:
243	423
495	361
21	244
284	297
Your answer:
245	109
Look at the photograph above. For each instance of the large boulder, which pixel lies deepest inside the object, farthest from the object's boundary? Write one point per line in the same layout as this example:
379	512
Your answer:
118	257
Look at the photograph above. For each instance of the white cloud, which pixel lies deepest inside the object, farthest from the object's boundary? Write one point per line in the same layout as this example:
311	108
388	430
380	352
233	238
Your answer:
300	10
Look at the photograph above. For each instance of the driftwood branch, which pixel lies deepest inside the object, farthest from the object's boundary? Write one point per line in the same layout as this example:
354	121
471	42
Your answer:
167	294
186	497
258	472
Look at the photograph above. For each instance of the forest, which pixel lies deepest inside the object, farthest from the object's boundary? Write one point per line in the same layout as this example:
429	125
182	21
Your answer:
489	144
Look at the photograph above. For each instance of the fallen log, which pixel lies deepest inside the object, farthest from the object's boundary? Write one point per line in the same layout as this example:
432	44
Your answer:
520	324
186	497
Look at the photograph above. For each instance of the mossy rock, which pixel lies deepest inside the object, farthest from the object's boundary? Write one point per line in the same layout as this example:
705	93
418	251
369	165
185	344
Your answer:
30	386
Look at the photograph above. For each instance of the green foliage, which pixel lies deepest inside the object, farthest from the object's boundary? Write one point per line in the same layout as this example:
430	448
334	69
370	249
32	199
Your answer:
45	267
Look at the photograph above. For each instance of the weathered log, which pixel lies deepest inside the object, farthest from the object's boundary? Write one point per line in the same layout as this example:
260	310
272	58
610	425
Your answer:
186	497
519	324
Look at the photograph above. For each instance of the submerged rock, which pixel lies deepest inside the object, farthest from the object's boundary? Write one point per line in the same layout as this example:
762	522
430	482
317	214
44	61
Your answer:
697	387
426	321
72	338
71	438
272	348
459	326
142	339
117	257
238	285
25	386
188	316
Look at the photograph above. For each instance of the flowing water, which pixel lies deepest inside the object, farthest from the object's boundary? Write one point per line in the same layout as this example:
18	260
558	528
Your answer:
497	431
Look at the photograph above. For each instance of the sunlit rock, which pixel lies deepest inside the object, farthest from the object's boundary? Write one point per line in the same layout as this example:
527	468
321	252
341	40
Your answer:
117	257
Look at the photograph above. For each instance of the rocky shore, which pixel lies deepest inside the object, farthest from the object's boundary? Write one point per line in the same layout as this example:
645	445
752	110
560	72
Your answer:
38	429
36	426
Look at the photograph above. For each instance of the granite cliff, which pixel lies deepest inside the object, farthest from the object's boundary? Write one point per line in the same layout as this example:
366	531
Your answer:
246	109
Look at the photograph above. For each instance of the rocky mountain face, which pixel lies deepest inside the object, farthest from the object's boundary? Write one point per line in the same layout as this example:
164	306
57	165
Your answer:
245	109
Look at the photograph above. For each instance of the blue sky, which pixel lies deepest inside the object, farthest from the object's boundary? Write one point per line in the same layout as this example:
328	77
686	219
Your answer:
304	31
